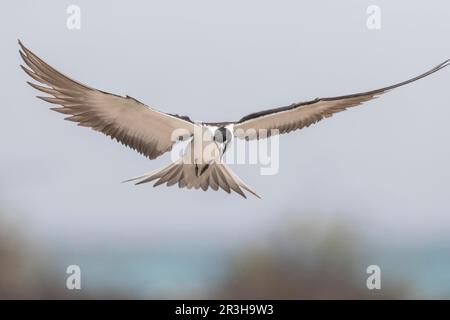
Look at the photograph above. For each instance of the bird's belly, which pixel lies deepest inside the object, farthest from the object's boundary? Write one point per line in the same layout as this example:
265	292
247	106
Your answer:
201	152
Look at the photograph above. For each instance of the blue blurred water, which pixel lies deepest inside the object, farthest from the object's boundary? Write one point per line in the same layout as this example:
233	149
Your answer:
425	270
192	272
166	273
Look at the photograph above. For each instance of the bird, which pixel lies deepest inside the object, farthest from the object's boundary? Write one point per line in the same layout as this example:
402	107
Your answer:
152	132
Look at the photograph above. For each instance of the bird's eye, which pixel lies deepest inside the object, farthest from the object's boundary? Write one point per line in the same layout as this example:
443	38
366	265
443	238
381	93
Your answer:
184	137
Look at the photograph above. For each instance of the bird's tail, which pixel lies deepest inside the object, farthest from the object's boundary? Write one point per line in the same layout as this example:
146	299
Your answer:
215	175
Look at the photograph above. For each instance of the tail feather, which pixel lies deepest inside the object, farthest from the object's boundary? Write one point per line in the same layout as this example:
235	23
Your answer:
216	175
176	177
243	184
234	185
215	185
140	177
152	175
222	180
212	182
169	175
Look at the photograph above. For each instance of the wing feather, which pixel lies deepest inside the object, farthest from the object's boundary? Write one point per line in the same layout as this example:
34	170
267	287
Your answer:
125	119
303	114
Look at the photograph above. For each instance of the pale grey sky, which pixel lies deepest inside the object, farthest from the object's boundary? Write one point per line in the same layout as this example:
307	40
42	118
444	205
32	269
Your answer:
383	166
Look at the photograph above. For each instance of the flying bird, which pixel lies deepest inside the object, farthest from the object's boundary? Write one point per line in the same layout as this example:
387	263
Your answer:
153	133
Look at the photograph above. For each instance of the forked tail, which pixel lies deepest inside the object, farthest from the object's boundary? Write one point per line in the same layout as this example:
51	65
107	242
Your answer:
215	175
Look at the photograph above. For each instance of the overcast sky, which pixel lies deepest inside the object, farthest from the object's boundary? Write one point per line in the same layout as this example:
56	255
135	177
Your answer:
383	167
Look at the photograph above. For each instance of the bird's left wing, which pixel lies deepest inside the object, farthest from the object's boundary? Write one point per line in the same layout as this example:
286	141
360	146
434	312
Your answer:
299	115
142	128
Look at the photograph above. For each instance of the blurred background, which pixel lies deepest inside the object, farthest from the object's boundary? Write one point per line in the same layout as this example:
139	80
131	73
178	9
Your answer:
369	186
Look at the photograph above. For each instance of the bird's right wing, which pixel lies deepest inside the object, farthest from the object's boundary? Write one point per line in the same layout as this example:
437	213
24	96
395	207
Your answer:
125	119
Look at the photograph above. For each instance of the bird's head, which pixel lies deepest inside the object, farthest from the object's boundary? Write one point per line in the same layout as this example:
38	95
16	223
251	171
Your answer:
222	138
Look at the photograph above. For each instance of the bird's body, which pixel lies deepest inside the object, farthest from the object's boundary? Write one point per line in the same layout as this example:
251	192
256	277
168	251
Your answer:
201	166
153	133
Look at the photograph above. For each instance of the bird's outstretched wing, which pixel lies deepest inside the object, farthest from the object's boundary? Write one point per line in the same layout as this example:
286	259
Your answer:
303	114
125	119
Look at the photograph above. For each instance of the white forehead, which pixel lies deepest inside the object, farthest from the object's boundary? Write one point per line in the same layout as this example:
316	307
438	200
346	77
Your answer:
213	129
230	127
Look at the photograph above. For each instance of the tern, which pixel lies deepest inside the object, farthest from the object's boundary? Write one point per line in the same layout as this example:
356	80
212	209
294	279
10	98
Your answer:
153	133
